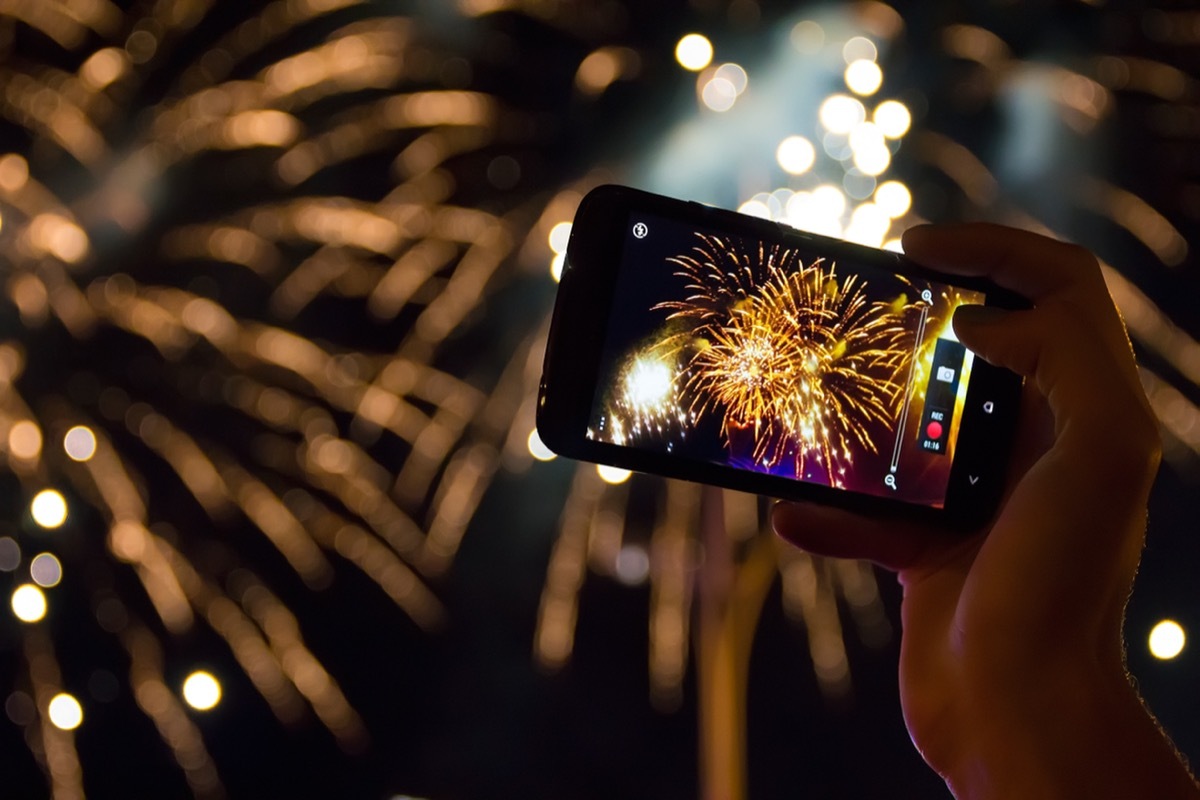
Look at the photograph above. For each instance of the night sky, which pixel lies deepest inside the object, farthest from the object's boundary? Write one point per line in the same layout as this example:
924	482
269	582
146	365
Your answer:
289	263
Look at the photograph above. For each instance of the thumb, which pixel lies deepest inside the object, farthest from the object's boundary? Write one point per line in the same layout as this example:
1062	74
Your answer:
1064	356
1001	337
1052	353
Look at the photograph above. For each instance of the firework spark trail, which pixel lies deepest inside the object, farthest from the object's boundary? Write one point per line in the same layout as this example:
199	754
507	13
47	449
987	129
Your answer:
788	351
313	484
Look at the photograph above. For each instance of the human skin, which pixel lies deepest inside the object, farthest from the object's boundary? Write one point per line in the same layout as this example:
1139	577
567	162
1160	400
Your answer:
1012	671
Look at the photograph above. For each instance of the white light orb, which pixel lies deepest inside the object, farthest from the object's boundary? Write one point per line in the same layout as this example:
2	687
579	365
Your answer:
718	94
613	475
560	236
49	508
755	208
872	160
694	52
735	74
893	118
894	198
80	443
864	77
840	113
1167	640
65	712
796	155
537	448
201	691
859	48
46	570
29	603
829	200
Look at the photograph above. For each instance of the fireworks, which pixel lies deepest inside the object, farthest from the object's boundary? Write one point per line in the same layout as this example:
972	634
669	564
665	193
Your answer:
171	395
789	354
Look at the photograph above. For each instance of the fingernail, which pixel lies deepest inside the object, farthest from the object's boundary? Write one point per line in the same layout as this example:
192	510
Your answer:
978	315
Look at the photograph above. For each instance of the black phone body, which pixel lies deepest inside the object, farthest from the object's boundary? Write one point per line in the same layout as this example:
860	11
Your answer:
697	343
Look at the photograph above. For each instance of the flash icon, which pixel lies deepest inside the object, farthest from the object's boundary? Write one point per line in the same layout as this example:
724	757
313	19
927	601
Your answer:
640	231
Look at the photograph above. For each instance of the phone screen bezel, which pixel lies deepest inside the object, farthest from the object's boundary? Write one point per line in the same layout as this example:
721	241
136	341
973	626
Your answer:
578	334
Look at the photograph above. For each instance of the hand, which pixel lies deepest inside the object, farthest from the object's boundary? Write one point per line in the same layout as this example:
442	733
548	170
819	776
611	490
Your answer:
1012	675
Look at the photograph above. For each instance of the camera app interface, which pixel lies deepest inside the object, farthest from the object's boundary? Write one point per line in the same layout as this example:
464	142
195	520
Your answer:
784	360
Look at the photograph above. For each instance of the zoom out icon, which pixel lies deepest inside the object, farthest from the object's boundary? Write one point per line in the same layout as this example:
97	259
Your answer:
640	230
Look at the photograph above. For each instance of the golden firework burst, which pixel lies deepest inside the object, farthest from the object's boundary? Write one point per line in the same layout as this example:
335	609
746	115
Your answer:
789	352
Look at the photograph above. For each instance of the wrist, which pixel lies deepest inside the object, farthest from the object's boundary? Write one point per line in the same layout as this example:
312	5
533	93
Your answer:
1066	734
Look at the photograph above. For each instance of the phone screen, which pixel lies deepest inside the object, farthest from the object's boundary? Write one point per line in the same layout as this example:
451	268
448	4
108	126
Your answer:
775	357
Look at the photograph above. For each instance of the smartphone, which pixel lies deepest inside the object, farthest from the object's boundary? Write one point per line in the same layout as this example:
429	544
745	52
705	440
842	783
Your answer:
697	343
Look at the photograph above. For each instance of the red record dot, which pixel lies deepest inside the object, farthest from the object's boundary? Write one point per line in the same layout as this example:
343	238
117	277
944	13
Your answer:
933	430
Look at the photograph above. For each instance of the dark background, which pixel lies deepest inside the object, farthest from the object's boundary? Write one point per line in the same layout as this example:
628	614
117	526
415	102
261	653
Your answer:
464	711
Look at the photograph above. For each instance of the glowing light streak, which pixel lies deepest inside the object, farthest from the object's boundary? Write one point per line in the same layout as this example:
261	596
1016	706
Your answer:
159	703
437	259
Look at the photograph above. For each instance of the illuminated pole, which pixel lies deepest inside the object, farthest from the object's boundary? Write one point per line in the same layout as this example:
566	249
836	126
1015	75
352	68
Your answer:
730	595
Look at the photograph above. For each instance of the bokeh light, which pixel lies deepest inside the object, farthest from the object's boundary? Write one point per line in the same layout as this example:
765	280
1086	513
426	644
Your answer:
25	440
632	565
29	603
893	118
807	36
795	155
863	77
840	113
869	225
538	448
10	554
46	570
201	691
612	475
559	237
859	48
694	52
894	198
735	74
49	508
718	94
79	443
755	208
1167	640
65	712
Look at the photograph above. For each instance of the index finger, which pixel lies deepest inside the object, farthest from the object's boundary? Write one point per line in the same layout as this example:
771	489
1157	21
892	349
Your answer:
1027	263
1043	270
